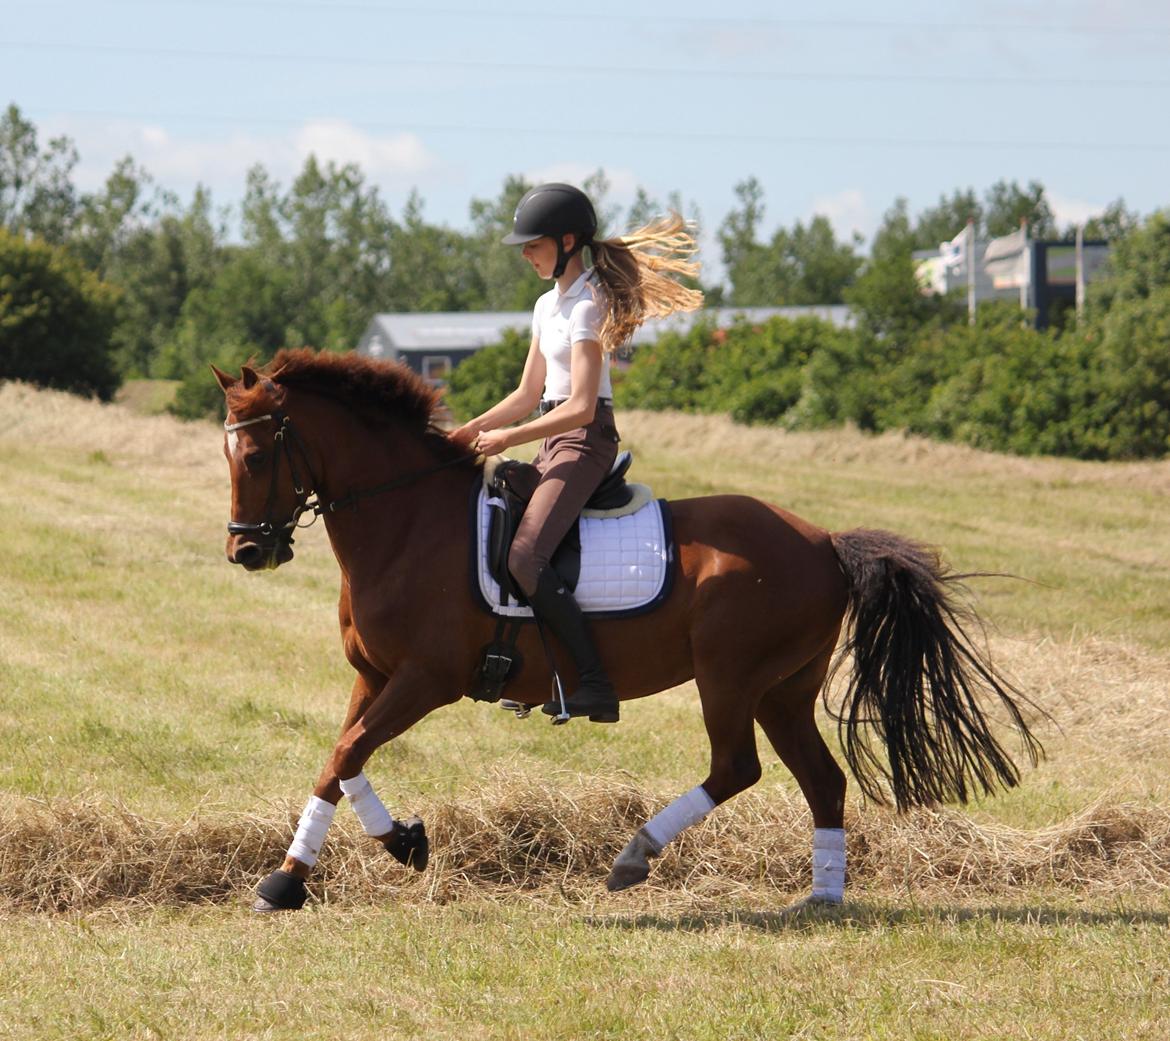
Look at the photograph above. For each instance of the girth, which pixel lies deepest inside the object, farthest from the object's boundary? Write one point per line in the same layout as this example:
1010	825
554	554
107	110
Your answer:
513	483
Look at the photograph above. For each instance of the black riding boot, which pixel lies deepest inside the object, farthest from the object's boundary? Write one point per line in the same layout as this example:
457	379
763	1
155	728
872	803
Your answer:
555	607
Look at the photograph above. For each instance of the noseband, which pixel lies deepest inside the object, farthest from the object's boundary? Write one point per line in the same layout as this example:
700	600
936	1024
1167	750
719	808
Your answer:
289	446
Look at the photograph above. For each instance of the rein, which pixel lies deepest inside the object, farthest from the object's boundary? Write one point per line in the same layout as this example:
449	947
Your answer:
309	496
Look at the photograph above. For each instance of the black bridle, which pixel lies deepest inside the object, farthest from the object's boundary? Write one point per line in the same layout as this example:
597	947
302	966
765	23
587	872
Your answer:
289	446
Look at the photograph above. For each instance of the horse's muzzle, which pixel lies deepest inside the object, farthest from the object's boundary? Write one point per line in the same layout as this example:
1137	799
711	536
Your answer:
258	556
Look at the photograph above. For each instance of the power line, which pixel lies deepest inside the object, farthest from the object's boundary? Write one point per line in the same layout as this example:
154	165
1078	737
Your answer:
590	14
351	61
577	133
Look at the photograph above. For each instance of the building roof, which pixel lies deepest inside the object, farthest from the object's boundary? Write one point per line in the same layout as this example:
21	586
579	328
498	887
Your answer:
389	334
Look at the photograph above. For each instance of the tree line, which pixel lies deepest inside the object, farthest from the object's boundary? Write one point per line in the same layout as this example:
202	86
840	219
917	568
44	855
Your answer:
131	281
1099	389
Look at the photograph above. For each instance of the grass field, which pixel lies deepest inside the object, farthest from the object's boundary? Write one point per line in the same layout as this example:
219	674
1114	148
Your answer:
163	716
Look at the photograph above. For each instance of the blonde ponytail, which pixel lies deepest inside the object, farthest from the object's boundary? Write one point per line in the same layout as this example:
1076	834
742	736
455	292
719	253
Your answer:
636	271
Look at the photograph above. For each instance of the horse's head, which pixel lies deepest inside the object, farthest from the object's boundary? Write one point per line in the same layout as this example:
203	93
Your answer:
268	468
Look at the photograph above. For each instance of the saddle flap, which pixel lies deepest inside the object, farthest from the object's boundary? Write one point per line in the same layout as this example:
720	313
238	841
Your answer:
625	565
512	485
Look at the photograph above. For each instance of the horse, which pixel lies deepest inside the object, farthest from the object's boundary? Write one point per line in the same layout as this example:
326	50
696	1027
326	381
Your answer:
759	602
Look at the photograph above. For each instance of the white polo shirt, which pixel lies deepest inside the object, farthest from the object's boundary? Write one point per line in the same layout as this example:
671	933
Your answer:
560	320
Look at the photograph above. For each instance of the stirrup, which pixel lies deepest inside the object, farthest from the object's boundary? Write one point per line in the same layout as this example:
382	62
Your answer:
522	710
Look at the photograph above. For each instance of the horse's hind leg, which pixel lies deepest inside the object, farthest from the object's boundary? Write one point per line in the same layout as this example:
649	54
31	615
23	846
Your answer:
735	766
786	714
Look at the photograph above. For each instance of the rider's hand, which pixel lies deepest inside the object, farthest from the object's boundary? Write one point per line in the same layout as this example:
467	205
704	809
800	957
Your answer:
464	435
491	442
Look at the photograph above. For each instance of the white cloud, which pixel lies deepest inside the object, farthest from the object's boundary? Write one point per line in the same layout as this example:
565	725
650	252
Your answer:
1068	210
401	155
622	183
180	161
847	211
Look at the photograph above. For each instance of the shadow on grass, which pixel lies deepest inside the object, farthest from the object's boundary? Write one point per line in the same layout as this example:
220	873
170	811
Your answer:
862	915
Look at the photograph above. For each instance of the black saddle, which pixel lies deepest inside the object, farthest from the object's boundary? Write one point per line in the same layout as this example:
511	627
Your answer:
514	482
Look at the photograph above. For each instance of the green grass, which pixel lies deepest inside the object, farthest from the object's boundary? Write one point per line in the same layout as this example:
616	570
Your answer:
534	971
139	670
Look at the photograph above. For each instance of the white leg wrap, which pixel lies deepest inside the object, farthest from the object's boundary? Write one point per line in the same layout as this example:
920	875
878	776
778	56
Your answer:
686	810
829	864
375	818
311	828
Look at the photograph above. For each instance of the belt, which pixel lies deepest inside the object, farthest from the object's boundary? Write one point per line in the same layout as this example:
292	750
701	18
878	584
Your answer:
548	404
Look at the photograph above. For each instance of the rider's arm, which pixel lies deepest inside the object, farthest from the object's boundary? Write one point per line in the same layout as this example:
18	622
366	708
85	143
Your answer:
578	409
520	403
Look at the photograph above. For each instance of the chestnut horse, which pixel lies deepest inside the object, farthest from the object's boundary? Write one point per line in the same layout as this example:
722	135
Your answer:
753	615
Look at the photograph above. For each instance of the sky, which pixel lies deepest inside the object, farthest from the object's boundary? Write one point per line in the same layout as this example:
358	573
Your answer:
837	108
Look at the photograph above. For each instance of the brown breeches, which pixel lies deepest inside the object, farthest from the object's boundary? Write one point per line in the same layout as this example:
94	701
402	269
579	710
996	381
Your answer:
571	466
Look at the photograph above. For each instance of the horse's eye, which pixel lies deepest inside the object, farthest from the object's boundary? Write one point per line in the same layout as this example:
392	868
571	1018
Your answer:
254	460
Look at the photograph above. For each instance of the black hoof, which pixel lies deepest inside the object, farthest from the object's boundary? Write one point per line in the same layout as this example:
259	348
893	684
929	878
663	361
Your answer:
408	843
280	891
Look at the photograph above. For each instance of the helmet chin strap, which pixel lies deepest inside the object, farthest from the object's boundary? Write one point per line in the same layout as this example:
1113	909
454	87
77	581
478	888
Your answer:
563	258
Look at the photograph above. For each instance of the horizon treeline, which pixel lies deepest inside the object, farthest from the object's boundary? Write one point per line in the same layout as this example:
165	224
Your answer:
131	281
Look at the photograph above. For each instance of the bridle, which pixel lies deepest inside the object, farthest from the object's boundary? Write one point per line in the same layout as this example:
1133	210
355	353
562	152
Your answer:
289	446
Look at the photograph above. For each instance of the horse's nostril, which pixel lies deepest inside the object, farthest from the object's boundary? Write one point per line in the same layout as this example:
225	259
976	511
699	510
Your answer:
248	554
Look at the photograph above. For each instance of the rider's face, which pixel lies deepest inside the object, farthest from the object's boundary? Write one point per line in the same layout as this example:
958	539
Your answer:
542	254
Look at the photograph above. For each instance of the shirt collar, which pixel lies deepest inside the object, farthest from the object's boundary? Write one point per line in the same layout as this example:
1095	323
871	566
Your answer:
577	288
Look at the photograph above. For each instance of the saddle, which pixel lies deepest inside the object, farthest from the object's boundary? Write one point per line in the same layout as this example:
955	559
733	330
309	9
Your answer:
617	559
511	485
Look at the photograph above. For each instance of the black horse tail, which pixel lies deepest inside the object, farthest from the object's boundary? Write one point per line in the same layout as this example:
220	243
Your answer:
917	678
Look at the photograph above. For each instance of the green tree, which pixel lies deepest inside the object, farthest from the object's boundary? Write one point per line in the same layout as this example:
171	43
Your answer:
1131	361
56	319
1139	264
1008	204
431	267
887	300
1112	224
949	216
507	281
37	196
109	218
804	265
738	237
895	234
488	375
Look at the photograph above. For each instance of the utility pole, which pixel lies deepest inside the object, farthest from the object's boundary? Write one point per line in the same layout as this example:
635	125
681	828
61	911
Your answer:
1080	272
1025	275
970	270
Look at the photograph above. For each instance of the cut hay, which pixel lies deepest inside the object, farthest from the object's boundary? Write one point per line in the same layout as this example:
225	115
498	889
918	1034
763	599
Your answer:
524	838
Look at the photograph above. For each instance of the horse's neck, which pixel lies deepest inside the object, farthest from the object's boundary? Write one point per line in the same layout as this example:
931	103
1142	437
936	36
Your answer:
376	530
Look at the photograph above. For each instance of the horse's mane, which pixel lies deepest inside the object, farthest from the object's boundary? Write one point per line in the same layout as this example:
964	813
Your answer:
377	391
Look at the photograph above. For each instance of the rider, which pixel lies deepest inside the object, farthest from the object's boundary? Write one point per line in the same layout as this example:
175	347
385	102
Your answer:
576	326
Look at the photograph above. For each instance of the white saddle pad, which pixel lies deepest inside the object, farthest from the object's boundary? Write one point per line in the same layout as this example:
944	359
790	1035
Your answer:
625	561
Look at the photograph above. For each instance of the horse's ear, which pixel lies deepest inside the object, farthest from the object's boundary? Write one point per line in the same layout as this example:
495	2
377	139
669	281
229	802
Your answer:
250	376
225	381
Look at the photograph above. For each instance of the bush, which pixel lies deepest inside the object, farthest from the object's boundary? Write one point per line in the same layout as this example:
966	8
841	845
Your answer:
56	319
753	371
489	375
1131	351
198	395
672	373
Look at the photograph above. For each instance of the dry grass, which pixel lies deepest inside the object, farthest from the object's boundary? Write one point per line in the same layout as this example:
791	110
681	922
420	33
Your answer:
558	842
53	418
718	436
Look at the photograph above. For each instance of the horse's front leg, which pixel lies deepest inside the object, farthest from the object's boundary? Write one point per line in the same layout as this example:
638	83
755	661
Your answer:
374	717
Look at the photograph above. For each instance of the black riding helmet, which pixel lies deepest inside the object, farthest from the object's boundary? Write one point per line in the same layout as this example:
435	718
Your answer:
555	210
